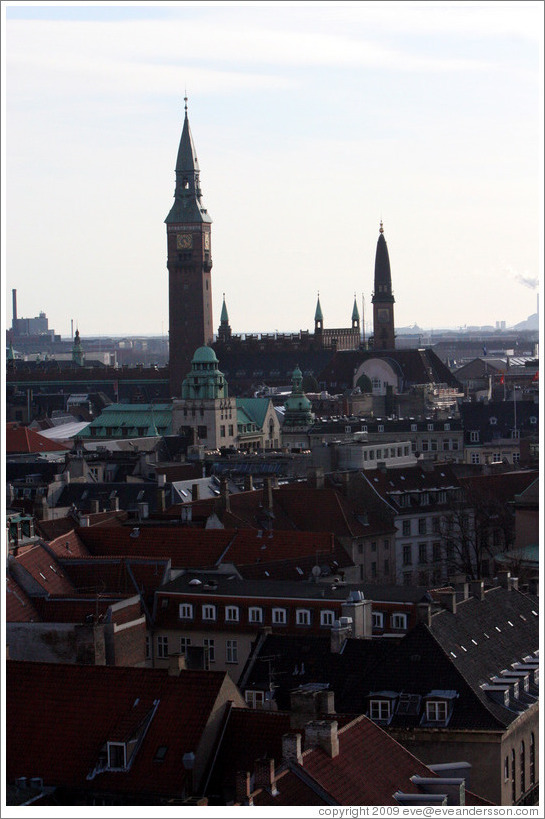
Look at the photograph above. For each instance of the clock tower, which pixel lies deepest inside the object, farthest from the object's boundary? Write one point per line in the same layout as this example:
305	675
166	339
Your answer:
189	262
383	299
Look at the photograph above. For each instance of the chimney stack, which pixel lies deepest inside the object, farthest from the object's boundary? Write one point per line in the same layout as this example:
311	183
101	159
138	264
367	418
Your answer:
264	774
224	490
195	492
243	788
161	500
248	483
291	748
177	664
323	734
268	494
477	589
447	599
504	579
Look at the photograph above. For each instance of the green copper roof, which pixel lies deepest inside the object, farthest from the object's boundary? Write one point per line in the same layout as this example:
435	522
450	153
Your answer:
188	207
224	316
254	408
318	316
355	311
203	355
131	421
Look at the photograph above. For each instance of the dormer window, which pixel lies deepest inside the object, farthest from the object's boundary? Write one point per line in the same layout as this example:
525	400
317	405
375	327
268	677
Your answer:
117	756
493	421
380	710
436	711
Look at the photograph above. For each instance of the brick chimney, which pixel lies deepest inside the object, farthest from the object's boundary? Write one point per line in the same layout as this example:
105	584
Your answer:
340	632
268	494
161	500
315	478
224	491
291	748
248	483
306	706
177	664
477	589
323	734
195	492
264	774
447	599
504	579
243	788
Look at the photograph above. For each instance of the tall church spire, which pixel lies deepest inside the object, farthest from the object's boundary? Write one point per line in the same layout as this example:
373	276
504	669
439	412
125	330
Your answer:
355	315
188	206
224	330
383	298
318	317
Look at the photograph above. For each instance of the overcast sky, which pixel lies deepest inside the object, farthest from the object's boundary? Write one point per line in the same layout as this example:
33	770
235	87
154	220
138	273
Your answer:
312	122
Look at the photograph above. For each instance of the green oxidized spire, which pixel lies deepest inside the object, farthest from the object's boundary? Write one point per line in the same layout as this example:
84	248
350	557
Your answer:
224	315
355	311
318	316
188	206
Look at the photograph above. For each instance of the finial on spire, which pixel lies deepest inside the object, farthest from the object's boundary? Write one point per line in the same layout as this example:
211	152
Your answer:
185	101
381	229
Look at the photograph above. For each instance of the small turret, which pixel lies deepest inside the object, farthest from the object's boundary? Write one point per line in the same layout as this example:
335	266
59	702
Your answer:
224	330
318	317
355	315
78	356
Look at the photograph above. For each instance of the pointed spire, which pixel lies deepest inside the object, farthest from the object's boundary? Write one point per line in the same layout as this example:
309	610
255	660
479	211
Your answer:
383	276
355	311
224	318
188	206
318	316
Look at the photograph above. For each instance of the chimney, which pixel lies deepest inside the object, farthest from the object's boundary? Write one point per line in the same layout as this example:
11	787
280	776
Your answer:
447	599
306	706
268	495
143	509
264	774
243	788
176	664
95	506
340	632
114	504
504	579
477	589
513	583
425	613
323	734
161	479
359	611
195	492
315	478
533	585
161	500
224	490
291	748
326	702
248	483
345	483
464	589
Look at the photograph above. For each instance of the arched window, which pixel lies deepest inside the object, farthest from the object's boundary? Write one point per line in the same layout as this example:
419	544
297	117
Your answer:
532	760
522	769
513	777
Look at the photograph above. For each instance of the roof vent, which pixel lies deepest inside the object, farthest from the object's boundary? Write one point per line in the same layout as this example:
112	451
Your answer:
195	582
135	532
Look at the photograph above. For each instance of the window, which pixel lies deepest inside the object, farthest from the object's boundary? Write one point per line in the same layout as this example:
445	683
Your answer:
513	777
231	430
475	458
386	567
162	647
374	546
208	612
406	528
407	555
378	619
516	457
231	614
414	427
231	651
222	430
373	569
302	617
185	611
532	760
407	578
515	433
522	768
279	617
387	544
211	646
436	526
202	432
379	709
496	458
436	552
254	699
255	614
148	648
116	755
430	427
327	617
506	769
422	552
185	642
474	436
446	427
381	428
399	621
436	711
422	526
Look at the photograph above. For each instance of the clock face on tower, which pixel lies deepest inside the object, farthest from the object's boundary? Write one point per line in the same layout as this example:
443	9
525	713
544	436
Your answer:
184	241
207	241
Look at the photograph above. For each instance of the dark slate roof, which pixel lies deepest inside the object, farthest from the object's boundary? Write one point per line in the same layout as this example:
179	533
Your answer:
444	657
414	366
129	495
496	419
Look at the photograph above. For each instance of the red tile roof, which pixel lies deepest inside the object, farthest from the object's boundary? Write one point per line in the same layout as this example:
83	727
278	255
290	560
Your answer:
116	575
73	609
369	769
185	547
22	439
77	709
44	569
19	606
68	545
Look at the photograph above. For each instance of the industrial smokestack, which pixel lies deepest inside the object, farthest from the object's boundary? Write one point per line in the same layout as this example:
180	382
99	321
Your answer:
14	297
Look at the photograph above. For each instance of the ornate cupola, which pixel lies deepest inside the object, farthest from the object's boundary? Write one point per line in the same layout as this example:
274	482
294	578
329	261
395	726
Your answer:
189	264
205	380
78	355
383	298
297	409
224	330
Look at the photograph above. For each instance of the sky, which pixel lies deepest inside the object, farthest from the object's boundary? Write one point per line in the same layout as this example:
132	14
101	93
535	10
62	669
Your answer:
312	122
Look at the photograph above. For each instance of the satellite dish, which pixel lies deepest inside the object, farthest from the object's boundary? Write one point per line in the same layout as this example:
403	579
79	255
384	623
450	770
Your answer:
316	571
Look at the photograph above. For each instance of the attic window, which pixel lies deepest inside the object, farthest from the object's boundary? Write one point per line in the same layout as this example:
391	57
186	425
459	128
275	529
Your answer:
160	753
117	756
493	420
380	710
436	711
